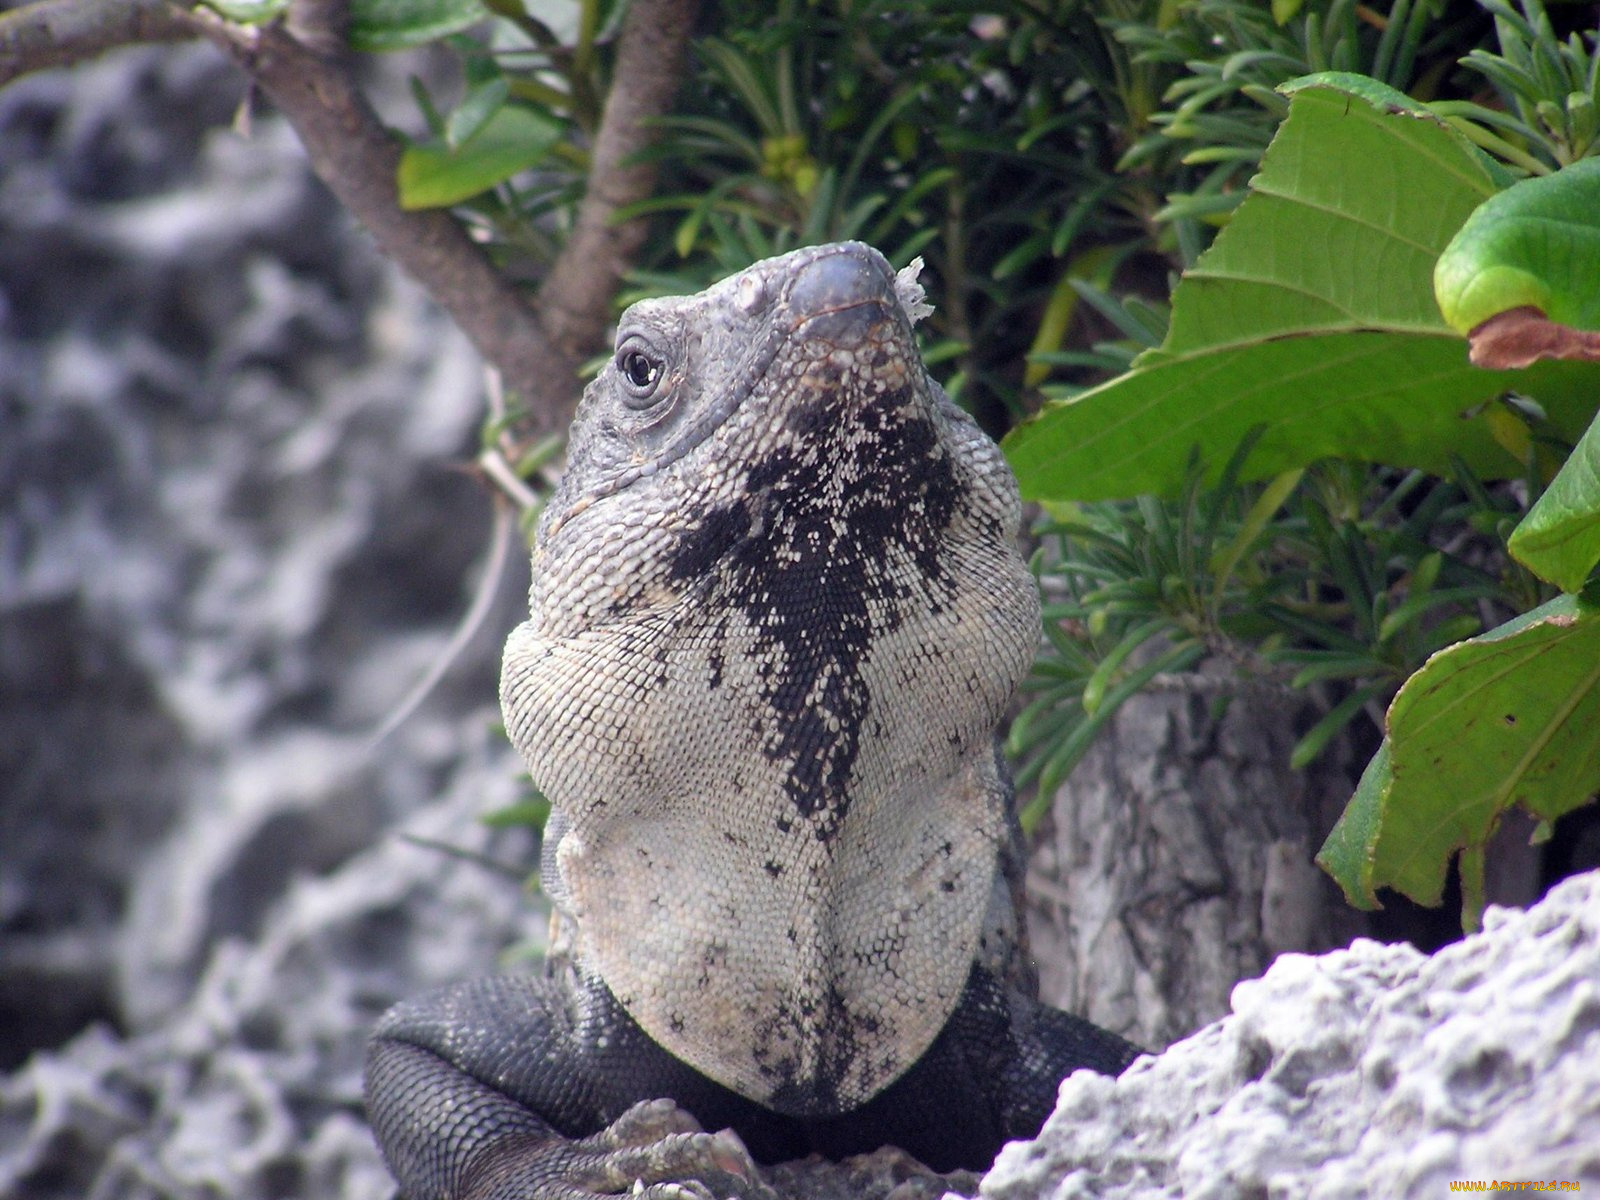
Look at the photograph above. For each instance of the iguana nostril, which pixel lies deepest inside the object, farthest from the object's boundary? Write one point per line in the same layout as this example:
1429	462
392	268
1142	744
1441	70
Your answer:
844	293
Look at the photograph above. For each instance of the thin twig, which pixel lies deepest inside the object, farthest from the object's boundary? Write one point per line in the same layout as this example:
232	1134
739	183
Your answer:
495	461
59	33
509	870
466	629
494	464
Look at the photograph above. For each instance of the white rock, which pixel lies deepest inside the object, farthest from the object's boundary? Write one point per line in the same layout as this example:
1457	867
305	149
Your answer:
1371	1071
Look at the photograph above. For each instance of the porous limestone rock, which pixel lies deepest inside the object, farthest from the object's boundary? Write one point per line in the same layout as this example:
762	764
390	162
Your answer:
232	535
1371	1071
251	1088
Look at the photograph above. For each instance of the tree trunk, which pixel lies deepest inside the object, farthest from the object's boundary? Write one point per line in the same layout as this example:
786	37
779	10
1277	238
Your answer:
1177	858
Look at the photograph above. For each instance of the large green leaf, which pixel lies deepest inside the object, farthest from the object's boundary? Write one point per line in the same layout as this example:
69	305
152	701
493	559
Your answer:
1341	229
436	175
1313	316
1350	852
1560	538
1397	400
1508	718
1537	244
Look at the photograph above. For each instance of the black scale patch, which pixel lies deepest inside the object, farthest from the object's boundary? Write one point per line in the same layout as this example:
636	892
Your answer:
855	509
850	1039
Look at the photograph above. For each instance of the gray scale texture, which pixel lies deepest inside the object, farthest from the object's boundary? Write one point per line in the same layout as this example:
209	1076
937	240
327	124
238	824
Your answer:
232	535
773	631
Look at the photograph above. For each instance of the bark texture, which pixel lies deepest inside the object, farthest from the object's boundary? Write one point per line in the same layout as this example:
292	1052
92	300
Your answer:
58	33
1177	860
576	296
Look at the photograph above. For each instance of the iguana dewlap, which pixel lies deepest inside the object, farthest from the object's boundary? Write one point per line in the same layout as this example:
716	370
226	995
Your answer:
777	614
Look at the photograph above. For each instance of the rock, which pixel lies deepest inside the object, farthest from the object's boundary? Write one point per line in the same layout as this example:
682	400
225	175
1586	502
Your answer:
251	1088
1370	1071
233	534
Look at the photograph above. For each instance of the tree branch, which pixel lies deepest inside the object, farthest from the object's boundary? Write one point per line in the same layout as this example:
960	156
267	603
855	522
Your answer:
321	25
59	33
303	67
354	154
576	296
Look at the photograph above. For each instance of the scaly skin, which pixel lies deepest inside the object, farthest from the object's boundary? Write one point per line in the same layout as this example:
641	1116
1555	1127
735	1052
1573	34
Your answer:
776	616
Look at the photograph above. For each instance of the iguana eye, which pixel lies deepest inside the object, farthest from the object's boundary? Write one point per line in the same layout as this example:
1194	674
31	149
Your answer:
642	371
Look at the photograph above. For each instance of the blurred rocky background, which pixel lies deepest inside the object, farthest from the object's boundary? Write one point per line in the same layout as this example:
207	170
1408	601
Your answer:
234	531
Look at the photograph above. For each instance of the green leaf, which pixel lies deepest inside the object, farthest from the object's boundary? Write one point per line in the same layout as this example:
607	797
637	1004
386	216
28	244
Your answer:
377	25
1349	852
1309	748
476	109
534	811
1312	315
1559	539
1508	718
1537	244
1406	402
435	175
249	12
1106	674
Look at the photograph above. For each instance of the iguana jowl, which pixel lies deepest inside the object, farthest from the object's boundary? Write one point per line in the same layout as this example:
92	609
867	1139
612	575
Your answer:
777	613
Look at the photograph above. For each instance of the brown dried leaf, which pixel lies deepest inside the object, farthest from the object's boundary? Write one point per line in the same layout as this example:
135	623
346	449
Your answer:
1522	336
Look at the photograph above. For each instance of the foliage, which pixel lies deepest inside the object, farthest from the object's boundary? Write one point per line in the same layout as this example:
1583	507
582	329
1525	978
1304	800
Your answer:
1511	717
1229	56
480	147
1549	89
1560	537
1057	163
1324	577
1258	326
1023	152
375	25
1536	243
1507	718
511	155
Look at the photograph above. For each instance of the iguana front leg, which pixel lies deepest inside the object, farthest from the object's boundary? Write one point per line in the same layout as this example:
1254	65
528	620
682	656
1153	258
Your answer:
514	1087
494	1090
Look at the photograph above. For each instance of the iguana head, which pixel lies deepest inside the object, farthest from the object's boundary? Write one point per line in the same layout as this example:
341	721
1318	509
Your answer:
777	613
700	390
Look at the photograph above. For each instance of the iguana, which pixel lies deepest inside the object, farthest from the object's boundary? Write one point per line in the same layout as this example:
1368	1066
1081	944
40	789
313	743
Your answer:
777	613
